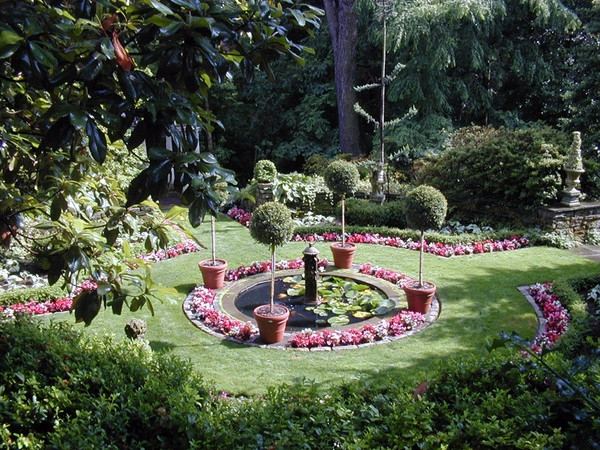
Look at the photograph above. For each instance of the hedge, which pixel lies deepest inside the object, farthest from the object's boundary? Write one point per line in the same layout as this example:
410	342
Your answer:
365	212
63	390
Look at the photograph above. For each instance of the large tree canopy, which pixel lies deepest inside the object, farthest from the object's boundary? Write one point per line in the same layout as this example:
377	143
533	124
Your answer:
78	76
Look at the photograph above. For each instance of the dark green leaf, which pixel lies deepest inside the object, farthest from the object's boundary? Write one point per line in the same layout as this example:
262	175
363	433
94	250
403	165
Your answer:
197	212
86	306
59	204
138	135
97	141
138	189
92	67
42	55
208	158
158	153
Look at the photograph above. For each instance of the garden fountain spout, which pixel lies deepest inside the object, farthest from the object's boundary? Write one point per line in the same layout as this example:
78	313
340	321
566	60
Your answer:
311	262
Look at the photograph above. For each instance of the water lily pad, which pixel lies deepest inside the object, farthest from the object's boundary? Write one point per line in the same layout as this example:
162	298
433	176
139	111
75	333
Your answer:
295	292
338	320
362	314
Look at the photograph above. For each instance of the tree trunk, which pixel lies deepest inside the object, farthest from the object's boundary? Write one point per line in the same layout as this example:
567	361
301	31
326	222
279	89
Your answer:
343	30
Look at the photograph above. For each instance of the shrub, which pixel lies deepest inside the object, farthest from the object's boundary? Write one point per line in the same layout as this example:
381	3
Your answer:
272	224
63	390
40	294
364	212
315	164
265	171
341	177
499	173
426	208
300	191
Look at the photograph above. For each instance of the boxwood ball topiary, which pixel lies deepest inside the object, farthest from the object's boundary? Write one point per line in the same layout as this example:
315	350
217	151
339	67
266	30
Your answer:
265	171
342	177
426	208
272	224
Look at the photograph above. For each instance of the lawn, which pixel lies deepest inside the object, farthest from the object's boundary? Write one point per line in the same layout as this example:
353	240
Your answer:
478	294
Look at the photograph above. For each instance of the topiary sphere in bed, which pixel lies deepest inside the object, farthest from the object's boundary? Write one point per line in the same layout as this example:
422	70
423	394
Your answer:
265	171
272	224
425	208
342	177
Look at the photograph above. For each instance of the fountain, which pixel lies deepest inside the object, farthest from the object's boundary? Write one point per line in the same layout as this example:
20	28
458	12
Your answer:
311	274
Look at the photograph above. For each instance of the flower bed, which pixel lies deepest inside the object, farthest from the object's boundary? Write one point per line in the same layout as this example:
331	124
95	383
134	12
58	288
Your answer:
399	325
201	304
52	306
556	316
265	266
64	303
187	246
434	248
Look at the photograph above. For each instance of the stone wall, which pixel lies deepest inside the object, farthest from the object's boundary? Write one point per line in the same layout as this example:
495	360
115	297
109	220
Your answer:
577	219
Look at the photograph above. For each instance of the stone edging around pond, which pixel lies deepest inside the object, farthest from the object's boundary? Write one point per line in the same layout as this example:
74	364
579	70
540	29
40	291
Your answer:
227	295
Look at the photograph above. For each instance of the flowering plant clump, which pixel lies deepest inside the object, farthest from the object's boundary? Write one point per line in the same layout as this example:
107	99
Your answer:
396	278
240	215
202	306
187	246
556	315
434	248
265	266
400	324
51	306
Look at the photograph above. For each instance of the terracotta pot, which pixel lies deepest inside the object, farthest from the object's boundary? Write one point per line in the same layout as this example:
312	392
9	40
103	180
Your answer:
271	325
419	298
342	256
213	275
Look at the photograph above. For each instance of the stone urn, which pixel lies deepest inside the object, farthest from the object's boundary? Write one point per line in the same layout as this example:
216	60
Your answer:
573	170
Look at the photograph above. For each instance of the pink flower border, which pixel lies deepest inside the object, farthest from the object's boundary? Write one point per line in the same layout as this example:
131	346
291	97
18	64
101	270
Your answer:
434	248
65	303
201	305
555	315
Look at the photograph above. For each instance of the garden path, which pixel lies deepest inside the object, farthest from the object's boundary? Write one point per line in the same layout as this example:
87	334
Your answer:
588	251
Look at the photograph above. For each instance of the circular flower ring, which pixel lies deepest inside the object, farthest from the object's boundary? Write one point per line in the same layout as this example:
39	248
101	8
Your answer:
202	308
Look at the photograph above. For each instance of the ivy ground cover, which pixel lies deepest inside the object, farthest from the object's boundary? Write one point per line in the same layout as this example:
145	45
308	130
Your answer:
478	293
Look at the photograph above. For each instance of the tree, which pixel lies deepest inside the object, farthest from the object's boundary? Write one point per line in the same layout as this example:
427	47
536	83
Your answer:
78	76
343	31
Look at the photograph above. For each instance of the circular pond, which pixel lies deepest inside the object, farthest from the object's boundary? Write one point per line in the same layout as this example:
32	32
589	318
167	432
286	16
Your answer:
354	308
343	300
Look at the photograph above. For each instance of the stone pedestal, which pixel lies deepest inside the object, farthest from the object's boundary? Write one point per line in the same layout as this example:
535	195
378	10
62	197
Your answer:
264	193
579	220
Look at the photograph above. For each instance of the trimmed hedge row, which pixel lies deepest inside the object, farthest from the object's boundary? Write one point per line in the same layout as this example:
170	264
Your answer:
366	213
59	389
450	239
25	295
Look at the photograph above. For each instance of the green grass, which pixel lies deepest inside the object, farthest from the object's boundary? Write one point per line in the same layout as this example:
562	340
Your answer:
478	294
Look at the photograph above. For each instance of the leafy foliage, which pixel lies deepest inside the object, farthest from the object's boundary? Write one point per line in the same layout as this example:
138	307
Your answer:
489	172
78	78
272	224
425	208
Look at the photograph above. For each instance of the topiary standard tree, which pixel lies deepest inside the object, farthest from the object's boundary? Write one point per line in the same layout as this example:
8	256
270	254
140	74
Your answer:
272	225
342	177
426	209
